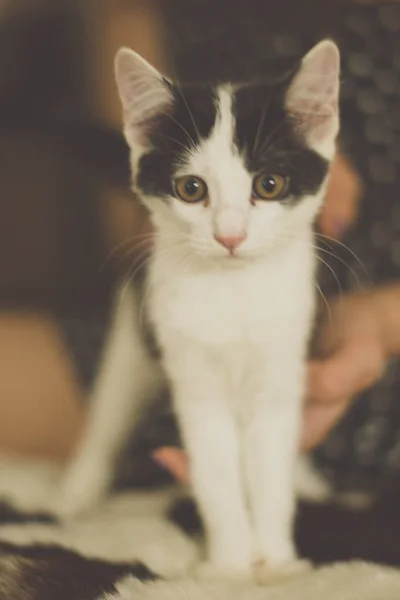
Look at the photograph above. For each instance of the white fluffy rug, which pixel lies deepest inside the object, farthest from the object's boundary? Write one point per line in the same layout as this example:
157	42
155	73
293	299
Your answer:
353	581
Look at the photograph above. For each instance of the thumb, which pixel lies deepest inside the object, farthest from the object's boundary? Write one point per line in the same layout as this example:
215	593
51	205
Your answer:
319	419
355	367
173	460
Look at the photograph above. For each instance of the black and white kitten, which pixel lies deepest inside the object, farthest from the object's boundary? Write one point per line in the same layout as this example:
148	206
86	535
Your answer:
233	177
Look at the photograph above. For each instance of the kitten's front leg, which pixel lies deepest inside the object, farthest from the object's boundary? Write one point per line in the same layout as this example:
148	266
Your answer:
205	412
271	435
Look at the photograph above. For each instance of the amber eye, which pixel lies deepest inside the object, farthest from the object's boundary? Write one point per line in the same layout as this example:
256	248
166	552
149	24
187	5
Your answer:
270	187
191	189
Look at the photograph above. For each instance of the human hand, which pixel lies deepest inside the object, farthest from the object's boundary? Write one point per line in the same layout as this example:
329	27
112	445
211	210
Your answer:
342	200
353	347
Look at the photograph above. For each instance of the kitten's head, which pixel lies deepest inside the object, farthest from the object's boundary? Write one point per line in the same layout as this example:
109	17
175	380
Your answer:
233	170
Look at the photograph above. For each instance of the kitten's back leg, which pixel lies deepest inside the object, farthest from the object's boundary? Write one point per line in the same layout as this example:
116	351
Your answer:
128	377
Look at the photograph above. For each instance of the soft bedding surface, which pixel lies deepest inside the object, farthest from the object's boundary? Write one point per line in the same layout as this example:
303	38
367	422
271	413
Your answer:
128	549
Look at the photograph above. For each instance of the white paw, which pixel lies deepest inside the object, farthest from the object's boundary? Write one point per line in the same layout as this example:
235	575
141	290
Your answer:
267	574
218	572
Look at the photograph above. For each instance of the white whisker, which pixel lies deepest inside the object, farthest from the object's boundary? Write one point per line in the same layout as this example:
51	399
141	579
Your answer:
344	246
327	305
183	129
189	111
147	239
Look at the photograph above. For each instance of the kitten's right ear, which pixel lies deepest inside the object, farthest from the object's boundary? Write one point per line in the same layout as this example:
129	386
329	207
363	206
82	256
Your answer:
144	92
313	96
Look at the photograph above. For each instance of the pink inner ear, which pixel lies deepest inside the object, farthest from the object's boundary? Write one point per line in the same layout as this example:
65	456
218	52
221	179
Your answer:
142	89
314	90
313	96
316	120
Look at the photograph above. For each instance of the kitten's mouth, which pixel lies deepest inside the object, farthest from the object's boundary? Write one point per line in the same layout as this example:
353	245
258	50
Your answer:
233	256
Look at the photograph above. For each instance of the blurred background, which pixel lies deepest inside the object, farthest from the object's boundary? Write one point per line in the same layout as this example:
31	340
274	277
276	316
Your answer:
65	204
68	217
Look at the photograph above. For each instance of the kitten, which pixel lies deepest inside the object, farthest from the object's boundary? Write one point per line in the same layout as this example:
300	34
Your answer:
233	177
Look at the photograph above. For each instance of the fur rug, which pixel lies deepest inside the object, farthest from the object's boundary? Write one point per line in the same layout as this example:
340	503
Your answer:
128	549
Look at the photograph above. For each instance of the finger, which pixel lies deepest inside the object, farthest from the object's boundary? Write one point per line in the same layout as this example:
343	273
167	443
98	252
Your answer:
342	200
319	420
174	461
328	333
354	368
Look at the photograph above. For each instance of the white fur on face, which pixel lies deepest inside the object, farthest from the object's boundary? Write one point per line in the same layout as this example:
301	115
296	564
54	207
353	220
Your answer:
229	211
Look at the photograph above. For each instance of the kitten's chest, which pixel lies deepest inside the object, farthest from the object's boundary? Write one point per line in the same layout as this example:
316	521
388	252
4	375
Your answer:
211	312
225	308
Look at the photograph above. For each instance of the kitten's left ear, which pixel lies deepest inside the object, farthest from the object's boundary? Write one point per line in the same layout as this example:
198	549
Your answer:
313	97
144	92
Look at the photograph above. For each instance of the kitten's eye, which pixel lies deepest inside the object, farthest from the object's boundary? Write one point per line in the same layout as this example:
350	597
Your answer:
270	187
191	189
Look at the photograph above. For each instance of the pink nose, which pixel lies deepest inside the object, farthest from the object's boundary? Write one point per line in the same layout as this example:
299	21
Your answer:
230	242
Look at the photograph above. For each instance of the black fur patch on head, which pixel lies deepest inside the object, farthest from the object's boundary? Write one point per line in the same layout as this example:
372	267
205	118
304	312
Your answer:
190	120
266	137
